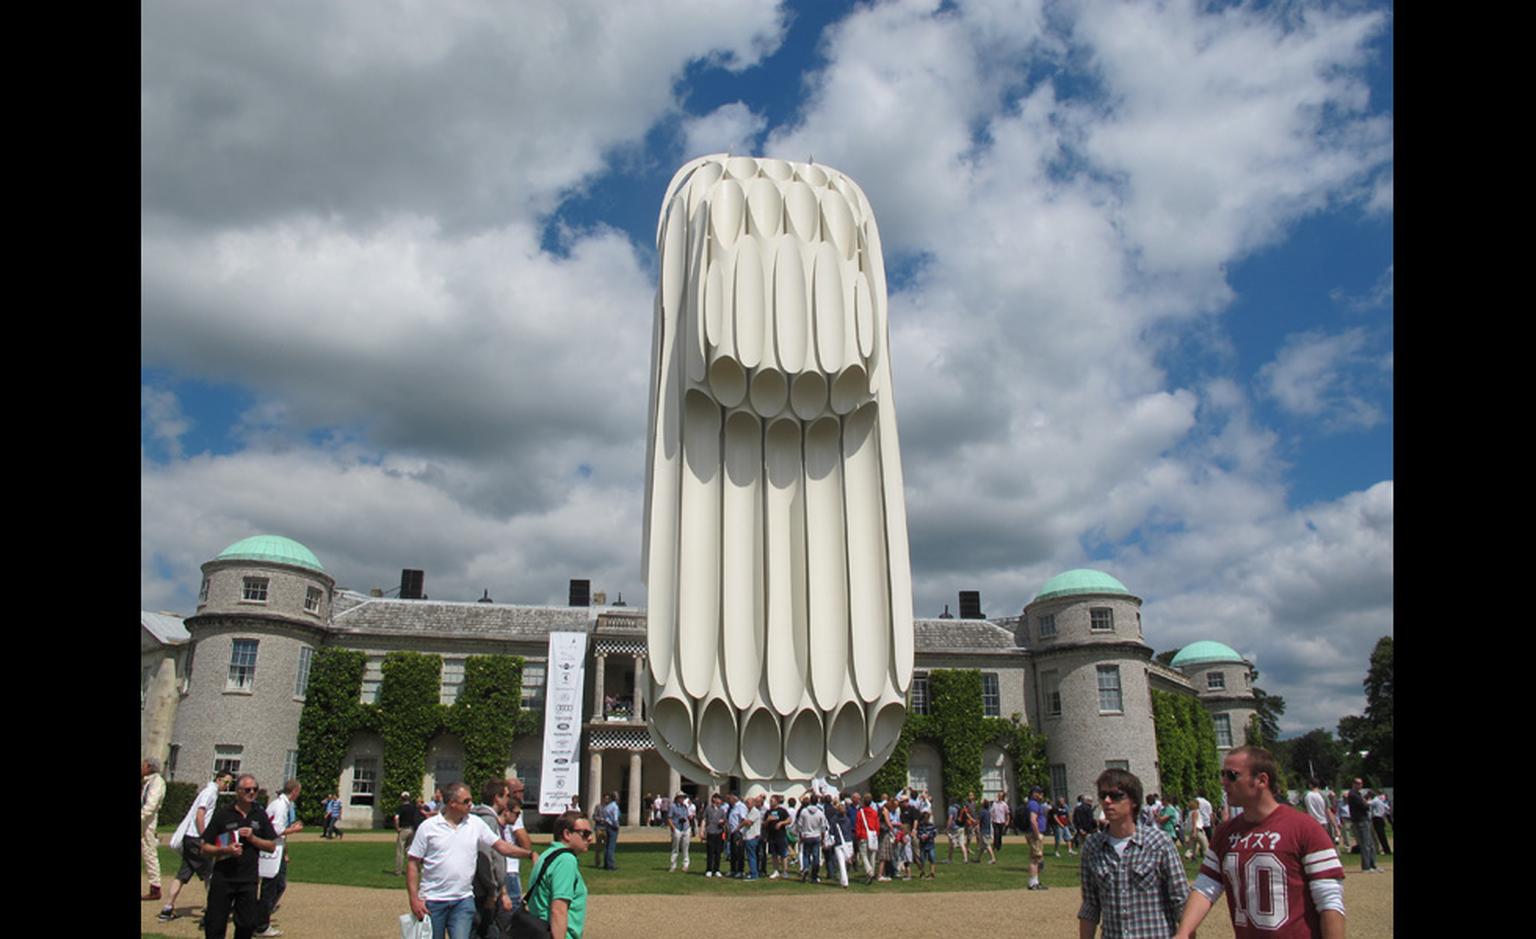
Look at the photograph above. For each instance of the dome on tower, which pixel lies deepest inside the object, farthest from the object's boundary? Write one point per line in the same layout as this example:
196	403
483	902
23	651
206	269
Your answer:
272	548
1206	652
1082	580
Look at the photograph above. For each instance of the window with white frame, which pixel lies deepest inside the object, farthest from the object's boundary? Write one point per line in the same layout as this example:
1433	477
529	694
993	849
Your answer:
301	679
453	680
1109	689
373	676
1215	681
242	665
1101	619
254	590
226	758
533	686
1048	626
291	765
365	780
1223	724
917	778
1050	687
991	695
993	780
312	599
920	693
1118	764
1059	780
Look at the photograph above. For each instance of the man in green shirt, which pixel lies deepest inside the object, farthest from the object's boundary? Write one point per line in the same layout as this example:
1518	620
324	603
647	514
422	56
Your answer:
560	895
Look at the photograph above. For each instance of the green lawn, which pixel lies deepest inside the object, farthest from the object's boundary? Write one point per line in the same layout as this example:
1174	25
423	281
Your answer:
643	870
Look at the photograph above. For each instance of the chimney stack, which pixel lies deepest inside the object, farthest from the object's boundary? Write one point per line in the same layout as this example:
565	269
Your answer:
581	593
970	604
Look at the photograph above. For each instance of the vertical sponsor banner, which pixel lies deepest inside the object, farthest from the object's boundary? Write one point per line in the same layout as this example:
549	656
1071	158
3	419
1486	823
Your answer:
561	779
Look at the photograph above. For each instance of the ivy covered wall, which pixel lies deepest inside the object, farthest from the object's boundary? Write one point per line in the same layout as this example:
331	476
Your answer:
955	725
487	717
1186	746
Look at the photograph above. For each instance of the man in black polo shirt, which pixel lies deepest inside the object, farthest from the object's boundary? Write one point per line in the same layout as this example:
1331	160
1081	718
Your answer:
407	817
234	838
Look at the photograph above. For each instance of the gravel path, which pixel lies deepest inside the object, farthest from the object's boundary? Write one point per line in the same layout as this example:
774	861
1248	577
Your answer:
314	911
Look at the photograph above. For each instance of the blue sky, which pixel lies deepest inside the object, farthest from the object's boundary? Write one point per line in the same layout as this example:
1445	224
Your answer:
397	268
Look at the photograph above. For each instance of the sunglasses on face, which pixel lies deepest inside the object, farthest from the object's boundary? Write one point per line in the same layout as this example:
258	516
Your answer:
247	788
1231	775
584	832
1112	795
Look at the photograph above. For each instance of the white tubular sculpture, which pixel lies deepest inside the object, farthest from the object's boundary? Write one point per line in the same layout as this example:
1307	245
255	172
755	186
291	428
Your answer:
775	555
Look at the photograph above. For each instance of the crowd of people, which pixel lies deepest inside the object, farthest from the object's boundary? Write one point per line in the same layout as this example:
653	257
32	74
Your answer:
461	858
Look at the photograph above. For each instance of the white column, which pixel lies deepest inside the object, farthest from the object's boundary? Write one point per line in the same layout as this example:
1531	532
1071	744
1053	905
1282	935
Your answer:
674	782
595	780
597	687
639	677
635	818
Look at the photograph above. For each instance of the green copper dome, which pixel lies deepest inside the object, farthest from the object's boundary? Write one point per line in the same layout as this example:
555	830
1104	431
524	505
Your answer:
1205	652
273	548
1081	580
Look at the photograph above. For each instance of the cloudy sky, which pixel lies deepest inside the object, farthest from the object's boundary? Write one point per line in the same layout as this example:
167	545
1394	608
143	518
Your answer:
398	262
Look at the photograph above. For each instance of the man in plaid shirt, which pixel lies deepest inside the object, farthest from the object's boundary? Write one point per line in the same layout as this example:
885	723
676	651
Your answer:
1133	881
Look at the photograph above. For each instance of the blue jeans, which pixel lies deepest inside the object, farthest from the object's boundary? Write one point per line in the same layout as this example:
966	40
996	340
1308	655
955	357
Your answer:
751	846
515	891
454	917
613	844
1367	844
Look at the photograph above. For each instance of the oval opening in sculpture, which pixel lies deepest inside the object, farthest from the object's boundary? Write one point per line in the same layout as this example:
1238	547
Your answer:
770	390
851	388
887	726
803	745
808	395
674	723
845	741
760	745
717	736
728	381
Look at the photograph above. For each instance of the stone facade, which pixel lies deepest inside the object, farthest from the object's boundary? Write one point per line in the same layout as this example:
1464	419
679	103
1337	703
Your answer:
230	684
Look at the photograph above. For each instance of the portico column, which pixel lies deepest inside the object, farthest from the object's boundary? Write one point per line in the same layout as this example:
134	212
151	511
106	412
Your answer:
634	788
597	688
639	677
595	780
674	782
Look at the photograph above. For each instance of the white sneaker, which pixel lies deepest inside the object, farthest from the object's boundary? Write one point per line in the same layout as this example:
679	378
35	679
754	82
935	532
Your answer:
774	876
271	932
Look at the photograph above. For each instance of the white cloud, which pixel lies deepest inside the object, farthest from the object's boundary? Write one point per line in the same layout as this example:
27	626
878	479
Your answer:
163	419
1328	376
730	128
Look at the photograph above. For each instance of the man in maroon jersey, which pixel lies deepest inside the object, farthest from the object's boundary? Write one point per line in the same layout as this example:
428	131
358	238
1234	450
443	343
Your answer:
1278	867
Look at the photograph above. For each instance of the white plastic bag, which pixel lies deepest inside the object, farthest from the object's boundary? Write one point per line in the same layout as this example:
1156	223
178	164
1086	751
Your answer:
413	928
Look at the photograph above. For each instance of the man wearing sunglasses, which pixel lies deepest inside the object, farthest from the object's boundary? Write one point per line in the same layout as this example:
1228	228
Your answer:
440	866
1278	867
233	839
559	895
1133	882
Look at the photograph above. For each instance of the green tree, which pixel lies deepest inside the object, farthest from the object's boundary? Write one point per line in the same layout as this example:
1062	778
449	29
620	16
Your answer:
1264	729
1315	753
1372	733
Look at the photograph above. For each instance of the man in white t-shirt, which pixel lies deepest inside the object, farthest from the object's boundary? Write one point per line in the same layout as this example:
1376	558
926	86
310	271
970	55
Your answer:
282	812
1317	806
188	839
440	866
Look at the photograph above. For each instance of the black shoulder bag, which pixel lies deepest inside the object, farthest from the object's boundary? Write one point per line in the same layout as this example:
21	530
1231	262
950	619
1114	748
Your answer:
526	925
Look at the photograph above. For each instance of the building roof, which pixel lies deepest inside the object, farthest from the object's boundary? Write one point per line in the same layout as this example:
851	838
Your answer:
484	620
165	627
1081	580
951	635
273	548
1206	652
